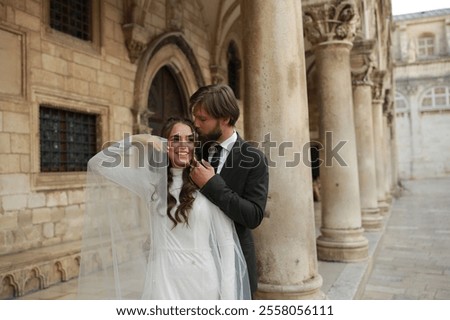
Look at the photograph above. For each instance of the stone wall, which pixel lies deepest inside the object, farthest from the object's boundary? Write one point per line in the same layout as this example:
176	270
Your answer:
41	214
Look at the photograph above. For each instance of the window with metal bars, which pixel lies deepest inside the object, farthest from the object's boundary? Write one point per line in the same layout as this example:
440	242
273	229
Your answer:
67	139
73	17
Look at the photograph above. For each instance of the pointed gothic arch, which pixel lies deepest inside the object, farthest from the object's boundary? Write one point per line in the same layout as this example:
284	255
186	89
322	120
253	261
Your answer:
170	55
165	99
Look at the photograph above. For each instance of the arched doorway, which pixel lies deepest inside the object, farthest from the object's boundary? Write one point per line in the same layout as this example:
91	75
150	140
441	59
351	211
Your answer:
167	74
165	99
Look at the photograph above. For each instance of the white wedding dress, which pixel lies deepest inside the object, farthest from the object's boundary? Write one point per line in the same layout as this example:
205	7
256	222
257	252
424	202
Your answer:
184	267
130	247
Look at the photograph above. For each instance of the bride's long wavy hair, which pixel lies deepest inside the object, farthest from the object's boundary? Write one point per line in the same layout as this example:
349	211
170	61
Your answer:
188	189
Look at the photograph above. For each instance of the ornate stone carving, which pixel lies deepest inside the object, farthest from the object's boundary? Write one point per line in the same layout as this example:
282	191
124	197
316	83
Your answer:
136	35
136	39
377	92
406	88
377	88
388	102
362	62
334	20
35	274
217	74
142	122
411	89
389	117
9	287
34	280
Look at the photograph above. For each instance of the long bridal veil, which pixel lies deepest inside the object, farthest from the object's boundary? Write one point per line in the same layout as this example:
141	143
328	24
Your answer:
125	234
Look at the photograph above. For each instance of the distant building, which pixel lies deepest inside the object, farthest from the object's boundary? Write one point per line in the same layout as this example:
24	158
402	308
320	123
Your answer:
422	78
76	75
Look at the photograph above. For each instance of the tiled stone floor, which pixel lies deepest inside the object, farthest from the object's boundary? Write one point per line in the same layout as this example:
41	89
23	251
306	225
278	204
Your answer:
413	260
410	259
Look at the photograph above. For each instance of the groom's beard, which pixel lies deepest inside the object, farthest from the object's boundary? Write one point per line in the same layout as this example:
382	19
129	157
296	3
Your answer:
211	136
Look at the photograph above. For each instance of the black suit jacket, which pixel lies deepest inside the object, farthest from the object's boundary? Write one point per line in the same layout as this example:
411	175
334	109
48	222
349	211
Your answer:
240	191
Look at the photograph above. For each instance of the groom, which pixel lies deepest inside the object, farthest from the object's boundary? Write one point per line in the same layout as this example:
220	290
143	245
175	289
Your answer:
238	183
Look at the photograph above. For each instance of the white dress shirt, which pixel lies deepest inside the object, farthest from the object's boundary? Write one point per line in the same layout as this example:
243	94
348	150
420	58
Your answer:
226	145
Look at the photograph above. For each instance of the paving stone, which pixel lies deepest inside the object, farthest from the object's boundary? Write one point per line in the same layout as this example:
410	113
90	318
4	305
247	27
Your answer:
411	259
414	254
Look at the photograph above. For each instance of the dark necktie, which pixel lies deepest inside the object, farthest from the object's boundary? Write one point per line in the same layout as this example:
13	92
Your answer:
215	159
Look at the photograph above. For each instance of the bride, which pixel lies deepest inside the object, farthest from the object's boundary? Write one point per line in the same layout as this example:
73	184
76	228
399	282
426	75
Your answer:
149	233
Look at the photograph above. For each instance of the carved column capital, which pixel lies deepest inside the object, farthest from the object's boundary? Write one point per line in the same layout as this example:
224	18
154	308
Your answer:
377	88
330	21
135	33
362	61
136	40
388	104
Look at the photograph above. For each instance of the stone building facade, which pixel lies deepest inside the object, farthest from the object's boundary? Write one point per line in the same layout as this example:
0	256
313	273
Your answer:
74	78
422	79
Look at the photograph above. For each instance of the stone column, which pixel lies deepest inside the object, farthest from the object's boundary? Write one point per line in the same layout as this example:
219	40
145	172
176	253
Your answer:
330	28
389	114
377	104
362	66
393	127
387	156
275	101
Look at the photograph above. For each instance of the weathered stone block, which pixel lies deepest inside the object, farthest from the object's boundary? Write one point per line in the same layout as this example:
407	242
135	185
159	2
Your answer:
8	222
9	163
20	143
28	21
11	63
54	64
36	200
5	140
56	198
16	122
48	230
41	215
14	202
76	196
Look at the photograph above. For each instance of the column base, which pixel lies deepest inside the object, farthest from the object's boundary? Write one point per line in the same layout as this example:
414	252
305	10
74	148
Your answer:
383	206
388	198
342	245
308	290
372	219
